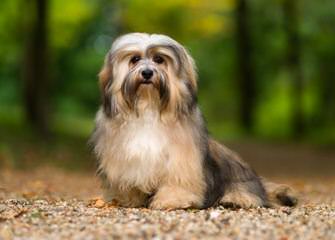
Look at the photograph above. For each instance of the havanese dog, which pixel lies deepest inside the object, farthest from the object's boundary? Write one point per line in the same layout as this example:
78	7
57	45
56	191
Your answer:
151	140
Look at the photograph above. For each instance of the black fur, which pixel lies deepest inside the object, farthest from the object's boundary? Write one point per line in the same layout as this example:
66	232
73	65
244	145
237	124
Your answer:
109	106
287	200
223	169
164	91
215	186
130	86
192	99
234	171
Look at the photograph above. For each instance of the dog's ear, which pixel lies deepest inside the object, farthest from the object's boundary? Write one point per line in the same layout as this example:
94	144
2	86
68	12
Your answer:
105	80
189	72
105	74
189	69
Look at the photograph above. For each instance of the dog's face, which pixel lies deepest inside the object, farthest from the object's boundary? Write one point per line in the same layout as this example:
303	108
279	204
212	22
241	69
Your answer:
152	70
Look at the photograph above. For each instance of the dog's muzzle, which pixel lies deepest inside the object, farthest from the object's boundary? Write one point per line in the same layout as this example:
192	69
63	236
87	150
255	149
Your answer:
146	76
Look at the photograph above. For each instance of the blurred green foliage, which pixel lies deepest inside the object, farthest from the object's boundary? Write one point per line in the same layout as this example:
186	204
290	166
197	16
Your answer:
80	33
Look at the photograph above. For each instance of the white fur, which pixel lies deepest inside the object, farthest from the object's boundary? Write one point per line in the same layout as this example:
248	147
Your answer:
133	153
145	151
141	41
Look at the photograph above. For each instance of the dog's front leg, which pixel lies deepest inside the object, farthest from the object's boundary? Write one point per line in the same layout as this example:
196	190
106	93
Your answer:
183	185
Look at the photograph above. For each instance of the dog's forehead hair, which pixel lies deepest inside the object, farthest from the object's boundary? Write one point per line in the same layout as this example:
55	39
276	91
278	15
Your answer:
142	41
146	44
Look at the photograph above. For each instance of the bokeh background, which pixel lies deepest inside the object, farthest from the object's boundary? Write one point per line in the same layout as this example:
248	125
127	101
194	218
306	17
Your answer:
266	70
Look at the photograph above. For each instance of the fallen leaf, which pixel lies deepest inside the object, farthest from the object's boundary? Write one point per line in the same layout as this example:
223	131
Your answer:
99	203
96	202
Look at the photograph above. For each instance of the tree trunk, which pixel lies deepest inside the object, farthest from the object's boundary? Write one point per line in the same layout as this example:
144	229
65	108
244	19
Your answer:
246	78
291	13
35	75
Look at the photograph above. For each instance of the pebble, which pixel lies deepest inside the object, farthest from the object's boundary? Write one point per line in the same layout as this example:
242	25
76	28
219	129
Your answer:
49	221
56	216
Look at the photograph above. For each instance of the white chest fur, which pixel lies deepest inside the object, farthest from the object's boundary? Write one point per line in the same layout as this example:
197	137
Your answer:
134	153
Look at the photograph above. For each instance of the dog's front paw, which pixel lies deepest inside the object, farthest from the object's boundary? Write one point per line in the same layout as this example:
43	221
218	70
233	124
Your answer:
169	198
169	204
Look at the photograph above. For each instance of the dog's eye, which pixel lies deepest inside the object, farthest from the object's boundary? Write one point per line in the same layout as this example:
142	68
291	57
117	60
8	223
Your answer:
158	59
135	59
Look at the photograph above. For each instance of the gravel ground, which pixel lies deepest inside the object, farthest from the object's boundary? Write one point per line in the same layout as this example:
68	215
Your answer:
53	204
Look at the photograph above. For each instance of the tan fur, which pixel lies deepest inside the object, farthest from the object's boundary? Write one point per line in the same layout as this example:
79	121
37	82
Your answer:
277	193
170	160
151	140
175	197
128	164
132	197
238	196
105	74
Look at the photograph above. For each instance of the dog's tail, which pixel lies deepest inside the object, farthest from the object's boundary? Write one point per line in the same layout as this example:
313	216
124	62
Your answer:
280	194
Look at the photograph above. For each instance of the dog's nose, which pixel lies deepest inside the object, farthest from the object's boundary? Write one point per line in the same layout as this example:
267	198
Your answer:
147	74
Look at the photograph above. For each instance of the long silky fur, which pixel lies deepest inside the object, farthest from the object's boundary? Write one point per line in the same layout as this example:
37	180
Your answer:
204	173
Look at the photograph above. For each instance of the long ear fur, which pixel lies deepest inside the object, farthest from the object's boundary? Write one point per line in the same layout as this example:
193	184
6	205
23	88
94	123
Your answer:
105	80
189	68
190	76
105	74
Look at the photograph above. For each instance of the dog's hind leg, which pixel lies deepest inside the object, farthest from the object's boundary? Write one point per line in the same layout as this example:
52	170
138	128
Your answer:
242	186
244	195
280	194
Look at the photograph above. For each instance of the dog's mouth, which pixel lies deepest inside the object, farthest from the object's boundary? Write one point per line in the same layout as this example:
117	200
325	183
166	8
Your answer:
146	82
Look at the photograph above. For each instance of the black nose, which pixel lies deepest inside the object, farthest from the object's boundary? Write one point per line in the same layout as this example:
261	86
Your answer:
147	74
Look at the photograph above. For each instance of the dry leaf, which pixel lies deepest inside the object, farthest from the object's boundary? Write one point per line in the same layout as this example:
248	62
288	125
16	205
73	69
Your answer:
99	203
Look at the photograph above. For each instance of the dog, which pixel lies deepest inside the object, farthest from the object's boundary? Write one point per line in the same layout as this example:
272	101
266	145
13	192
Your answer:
151	140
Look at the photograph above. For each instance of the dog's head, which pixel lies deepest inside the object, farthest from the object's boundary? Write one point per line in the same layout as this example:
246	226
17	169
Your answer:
151	70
